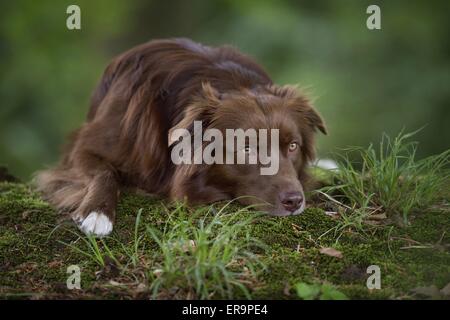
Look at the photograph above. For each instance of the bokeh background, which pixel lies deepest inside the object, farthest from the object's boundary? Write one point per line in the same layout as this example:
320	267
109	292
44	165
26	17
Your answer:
364	82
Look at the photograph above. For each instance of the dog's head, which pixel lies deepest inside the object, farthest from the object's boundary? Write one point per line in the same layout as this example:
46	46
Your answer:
284	123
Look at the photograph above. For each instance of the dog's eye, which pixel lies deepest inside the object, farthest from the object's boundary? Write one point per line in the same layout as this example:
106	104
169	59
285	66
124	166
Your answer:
293	146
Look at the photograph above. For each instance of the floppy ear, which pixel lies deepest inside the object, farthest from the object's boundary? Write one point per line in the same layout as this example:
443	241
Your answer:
202	109
315	120
301	105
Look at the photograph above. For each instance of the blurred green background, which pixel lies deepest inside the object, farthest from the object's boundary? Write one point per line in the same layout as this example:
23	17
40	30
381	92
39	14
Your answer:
364	82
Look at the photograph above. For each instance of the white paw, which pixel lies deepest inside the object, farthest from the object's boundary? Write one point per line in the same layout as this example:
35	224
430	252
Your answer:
97	224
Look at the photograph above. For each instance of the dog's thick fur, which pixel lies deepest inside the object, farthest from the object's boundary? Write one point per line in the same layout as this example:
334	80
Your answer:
167	84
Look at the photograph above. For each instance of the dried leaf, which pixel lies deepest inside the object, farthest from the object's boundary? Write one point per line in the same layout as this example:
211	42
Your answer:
373	222
431	292
188	246
55	264
331	252
157	272
378	217
446	290
287	290
333	214
141	288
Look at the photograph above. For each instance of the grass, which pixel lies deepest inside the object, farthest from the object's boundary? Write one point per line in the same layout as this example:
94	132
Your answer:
388	179
171	251
36	249
208	255
203	254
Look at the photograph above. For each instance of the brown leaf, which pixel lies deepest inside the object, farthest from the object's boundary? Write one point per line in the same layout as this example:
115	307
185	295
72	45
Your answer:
141	288
431	292
55	264
445	291
331	252
377	217
158	272
373	222
333	214
287	290
115	283
188	246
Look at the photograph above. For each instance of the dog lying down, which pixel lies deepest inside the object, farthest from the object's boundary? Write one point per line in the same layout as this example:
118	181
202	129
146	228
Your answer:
180	87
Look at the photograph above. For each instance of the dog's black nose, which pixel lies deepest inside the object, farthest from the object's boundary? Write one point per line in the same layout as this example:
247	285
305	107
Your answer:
291	201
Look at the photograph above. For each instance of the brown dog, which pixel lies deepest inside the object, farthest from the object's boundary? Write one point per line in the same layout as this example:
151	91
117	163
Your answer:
154	88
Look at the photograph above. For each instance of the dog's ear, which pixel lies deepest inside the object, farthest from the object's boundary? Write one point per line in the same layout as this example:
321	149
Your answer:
301	105
202	108
315	120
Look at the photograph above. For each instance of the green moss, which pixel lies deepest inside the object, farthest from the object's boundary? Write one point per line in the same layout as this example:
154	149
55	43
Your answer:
303	230
34	251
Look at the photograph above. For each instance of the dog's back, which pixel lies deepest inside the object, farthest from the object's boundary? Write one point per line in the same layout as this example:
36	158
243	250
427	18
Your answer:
175	69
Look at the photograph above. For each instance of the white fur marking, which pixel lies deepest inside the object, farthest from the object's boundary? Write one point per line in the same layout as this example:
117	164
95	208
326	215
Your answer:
326	164
97	224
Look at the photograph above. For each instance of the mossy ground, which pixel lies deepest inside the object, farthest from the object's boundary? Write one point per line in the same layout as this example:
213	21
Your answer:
34	254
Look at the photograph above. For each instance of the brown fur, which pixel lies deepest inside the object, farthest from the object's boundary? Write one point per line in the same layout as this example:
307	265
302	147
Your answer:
167	84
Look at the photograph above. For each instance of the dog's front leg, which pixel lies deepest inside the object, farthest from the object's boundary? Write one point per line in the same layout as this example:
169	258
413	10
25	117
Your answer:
96	212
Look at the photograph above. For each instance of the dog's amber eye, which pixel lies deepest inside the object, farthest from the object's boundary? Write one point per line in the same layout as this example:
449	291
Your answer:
293	146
